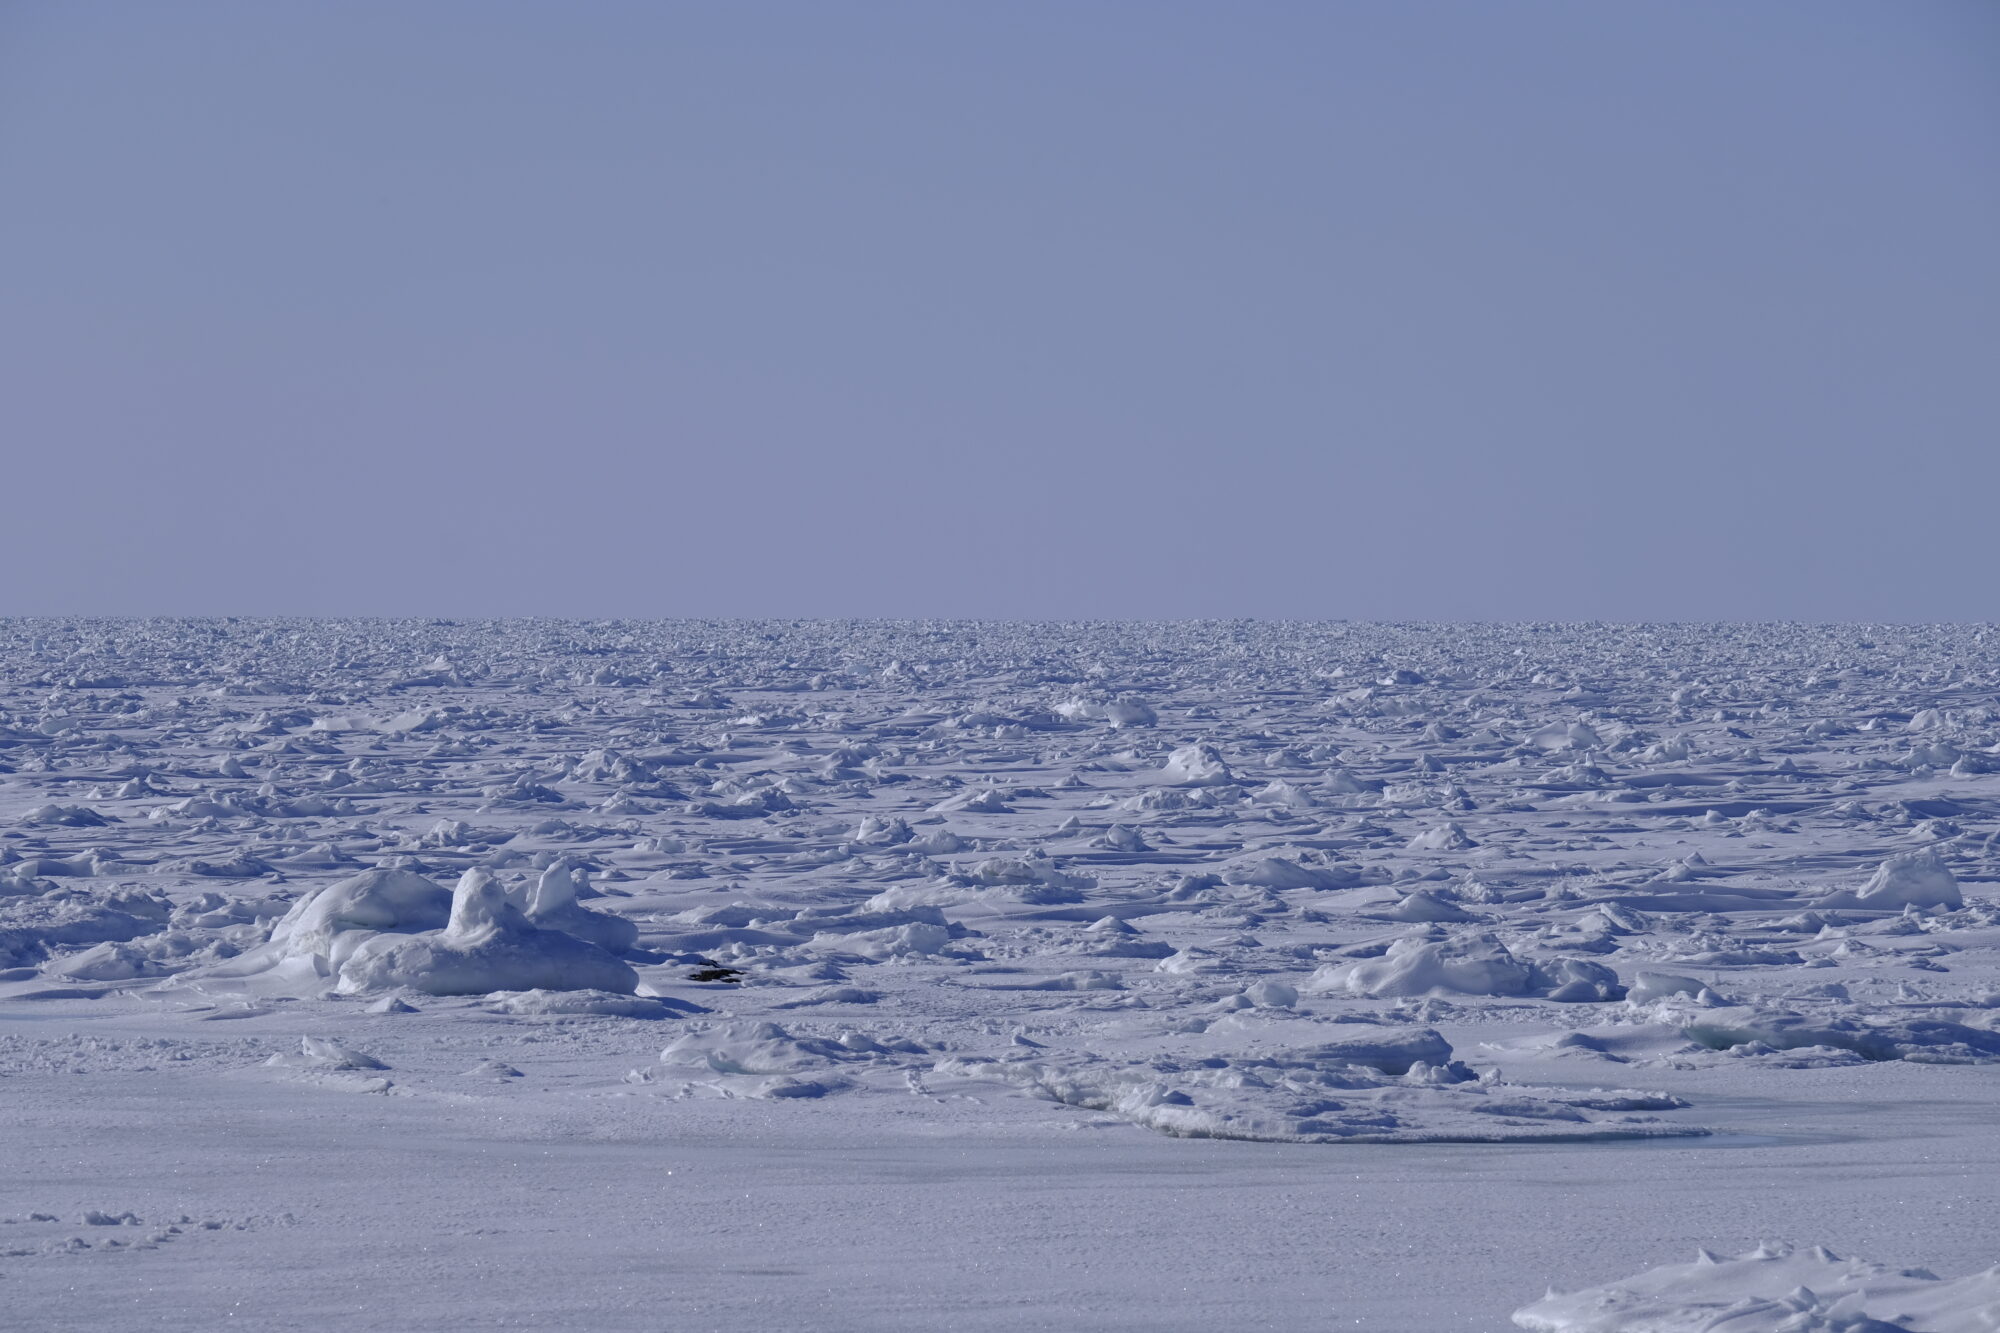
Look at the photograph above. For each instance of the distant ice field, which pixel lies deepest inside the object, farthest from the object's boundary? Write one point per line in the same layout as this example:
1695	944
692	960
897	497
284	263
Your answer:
863	975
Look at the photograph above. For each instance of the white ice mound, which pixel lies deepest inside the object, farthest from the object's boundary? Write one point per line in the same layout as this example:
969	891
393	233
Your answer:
312	941
1566	736
752	1048
1277	872
1126	711
551	905
1445	837
1467	963
767	1061
586	1003
325	1053
1196	766
1388	1088
1425	905
1473	963
975	800
486	946
1914	879
1774	1289
1650	986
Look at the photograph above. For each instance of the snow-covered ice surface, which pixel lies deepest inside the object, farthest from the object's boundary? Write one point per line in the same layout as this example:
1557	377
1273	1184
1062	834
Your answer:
1777	1289
974	975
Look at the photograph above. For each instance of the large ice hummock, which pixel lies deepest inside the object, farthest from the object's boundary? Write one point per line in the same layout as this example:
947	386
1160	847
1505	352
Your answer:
1915	879
389	928
487	945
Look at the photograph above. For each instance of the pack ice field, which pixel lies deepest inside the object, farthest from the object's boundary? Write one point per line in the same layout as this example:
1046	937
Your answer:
875	975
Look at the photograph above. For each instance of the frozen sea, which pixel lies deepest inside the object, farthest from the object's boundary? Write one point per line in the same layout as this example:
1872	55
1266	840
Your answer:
925	975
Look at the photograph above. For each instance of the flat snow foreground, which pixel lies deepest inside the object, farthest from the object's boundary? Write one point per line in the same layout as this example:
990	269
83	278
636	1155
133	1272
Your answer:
856	975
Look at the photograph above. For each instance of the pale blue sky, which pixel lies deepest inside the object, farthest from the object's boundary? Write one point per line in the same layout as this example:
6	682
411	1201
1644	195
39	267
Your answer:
1411	309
